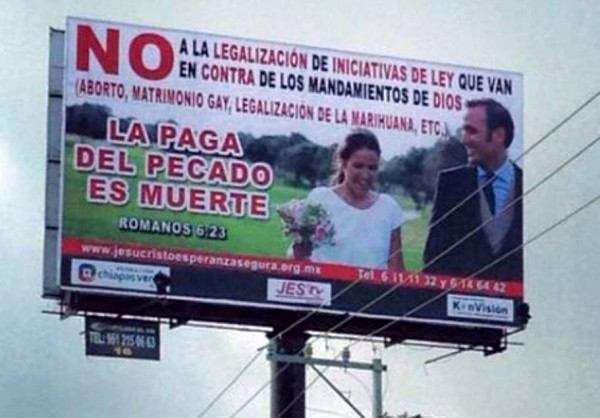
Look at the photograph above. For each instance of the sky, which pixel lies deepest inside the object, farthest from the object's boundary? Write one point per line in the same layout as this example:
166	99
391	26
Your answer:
554	44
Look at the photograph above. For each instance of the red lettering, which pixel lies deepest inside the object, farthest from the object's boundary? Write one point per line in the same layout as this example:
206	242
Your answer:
105	190
166	132
186	141
209	141
218	202
119	193
123	165
166	56
114	135
262	175
217	172
231	145
197	198
113	161
259	206
154	164
108	57
102	159
96	189
175	167
239	174
84	157
136	133
105	159
196	167
206	141
176	198
150	195
238	200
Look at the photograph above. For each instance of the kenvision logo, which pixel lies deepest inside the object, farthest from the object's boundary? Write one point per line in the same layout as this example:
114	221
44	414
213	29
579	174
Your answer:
478	307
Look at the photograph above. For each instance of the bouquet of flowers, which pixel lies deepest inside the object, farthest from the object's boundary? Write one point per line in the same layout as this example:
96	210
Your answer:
308	224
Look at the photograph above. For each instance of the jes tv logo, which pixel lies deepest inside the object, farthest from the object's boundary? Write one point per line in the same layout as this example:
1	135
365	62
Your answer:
296	291
87	273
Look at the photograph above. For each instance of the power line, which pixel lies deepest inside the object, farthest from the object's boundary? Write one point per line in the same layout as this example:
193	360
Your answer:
537	143
258	392
325	411
429	301
467	236
443	293
527	151
464	349
544	232
567	119
231	383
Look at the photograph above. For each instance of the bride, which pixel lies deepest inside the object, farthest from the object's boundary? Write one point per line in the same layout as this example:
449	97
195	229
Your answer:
367	223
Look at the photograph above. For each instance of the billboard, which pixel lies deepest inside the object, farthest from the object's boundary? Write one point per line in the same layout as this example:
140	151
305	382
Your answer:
269	175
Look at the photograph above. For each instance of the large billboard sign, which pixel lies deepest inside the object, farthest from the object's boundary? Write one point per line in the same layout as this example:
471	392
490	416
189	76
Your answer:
209	160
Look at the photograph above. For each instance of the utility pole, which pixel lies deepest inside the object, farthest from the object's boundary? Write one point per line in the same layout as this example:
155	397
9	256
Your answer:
288	371
288	380
378	369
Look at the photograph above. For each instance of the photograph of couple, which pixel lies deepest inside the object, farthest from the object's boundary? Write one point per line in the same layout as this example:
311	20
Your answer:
474	225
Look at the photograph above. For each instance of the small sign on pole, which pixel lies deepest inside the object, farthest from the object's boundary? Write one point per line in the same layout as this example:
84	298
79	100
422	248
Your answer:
127	338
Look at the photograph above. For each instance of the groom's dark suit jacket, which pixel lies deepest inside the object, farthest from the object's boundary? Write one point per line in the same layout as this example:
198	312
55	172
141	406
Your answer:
475	253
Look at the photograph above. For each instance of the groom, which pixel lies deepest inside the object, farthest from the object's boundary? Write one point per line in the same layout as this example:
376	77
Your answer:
476	226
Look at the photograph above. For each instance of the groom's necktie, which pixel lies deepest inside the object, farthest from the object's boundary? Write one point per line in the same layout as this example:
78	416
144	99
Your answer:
488	191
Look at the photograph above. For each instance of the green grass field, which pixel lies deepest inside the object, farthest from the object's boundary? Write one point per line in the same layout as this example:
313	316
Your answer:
414	234
248	236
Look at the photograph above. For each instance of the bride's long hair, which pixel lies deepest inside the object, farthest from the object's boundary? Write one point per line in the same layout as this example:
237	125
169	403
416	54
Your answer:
356	140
